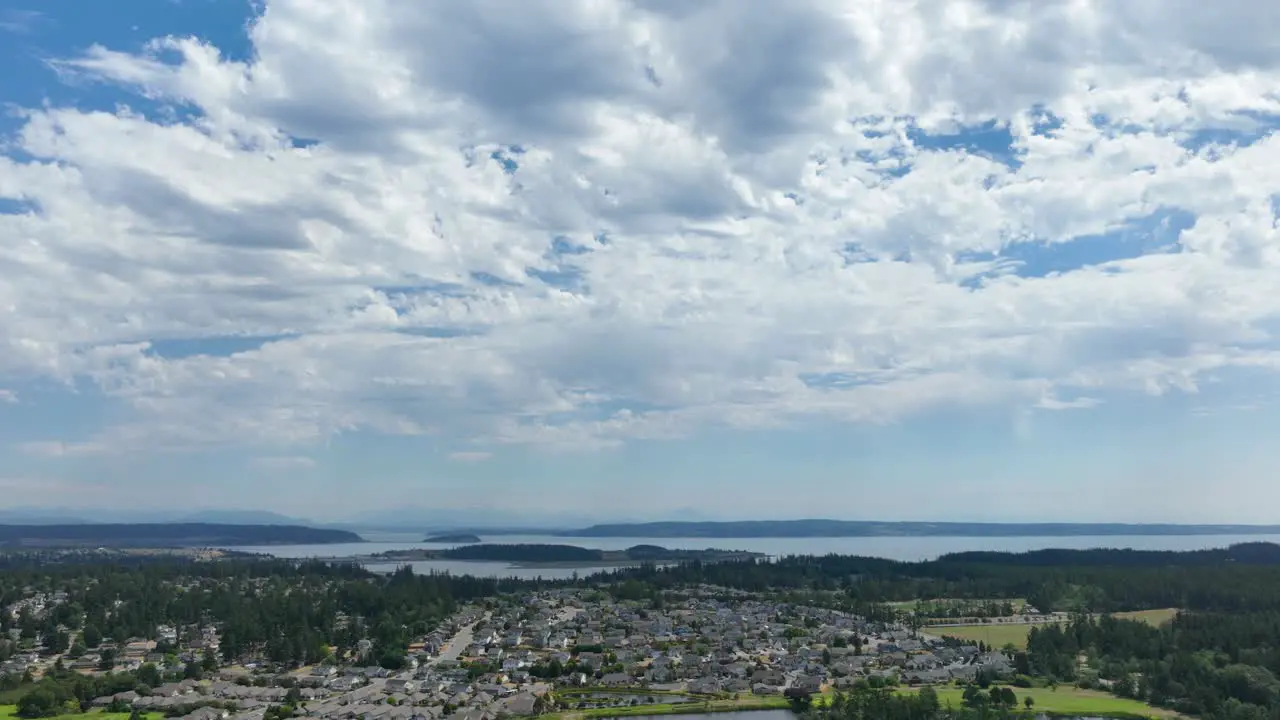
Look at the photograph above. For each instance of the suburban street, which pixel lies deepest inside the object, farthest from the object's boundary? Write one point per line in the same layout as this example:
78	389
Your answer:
459	642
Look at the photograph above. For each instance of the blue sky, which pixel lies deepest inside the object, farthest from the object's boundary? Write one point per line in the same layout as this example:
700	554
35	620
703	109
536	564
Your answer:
610	261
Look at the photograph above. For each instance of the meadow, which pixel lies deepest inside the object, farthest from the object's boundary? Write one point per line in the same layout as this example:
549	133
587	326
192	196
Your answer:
998	635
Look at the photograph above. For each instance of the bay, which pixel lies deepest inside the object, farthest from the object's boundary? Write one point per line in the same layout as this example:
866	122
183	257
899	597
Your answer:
894	548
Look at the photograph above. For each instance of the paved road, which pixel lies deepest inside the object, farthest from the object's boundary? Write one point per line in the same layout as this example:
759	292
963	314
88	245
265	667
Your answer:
456	644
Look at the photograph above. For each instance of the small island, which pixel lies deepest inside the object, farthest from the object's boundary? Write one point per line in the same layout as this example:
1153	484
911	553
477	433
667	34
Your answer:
547	556
454	538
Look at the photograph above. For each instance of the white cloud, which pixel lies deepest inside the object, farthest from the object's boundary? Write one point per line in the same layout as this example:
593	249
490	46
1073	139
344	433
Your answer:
574	223
470	456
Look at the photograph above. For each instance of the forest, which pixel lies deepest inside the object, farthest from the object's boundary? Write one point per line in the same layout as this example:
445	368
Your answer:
1211	664
292	611
1242	577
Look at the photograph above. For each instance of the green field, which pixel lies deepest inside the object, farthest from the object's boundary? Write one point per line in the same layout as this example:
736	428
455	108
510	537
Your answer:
1067	701
999	634
996	635
1151	617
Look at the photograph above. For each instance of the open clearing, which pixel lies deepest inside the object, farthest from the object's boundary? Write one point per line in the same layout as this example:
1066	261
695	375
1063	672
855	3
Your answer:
996	635
1067	701
1151	617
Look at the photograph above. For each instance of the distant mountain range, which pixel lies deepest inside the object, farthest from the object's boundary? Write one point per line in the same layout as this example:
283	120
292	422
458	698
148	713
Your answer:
858	528
478	521
56	516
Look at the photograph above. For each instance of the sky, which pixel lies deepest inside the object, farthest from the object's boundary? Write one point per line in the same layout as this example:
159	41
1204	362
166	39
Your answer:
1007	260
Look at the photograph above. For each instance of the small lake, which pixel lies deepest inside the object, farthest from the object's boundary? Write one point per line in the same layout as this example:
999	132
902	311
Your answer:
894	548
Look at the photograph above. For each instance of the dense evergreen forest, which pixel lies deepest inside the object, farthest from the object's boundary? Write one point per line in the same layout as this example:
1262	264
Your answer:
523	553
290	611
1241	578
1220	665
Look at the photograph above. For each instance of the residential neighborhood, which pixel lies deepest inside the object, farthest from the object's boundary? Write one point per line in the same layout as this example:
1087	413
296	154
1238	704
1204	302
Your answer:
563	648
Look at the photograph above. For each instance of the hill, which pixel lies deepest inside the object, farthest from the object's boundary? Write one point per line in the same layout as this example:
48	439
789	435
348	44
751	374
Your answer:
547	555
864	528
465	538
135	535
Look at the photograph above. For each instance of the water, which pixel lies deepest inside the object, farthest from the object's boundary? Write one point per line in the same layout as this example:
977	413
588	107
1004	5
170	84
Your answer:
895	548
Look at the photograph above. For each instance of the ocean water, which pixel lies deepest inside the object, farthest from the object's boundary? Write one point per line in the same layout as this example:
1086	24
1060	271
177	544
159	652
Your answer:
895	548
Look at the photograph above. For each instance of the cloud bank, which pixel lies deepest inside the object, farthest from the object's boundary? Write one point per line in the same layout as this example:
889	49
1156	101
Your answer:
575	223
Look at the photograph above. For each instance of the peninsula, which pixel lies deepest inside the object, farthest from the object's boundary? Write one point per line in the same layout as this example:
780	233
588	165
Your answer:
166	535
454	538
548	555
864	528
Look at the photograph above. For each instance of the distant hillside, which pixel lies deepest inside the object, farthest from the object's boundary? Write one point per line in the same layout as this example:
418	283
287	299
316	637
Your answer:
860	528
547	555
523	553
1253	553
167	535
240	517
463	538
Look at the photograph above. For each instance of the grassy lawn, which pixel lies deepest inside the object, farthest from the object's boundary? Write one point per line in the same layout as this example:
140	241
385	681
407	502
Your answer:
996	635
1151	617
1067	701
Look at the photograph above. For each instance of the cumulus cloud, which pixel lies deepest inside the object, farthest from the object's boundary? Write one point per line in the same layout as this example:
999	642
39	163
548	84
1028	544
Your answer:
573	223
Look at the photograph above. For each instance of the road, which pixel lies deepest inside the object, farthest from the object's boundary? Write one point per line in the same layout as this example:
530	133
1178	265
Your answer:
456	644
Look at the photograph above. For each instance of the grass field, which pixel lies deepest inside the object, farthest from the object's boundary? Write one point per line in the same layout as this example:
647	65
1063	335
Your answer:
1151	617
1067	701
998	635
994	634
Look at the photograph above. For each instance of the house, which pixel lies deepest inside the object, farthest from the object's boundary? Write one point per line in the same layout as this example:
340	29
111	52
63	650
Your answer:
405	687
932	676
704	686
996	663
522	704
617	680
808	684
